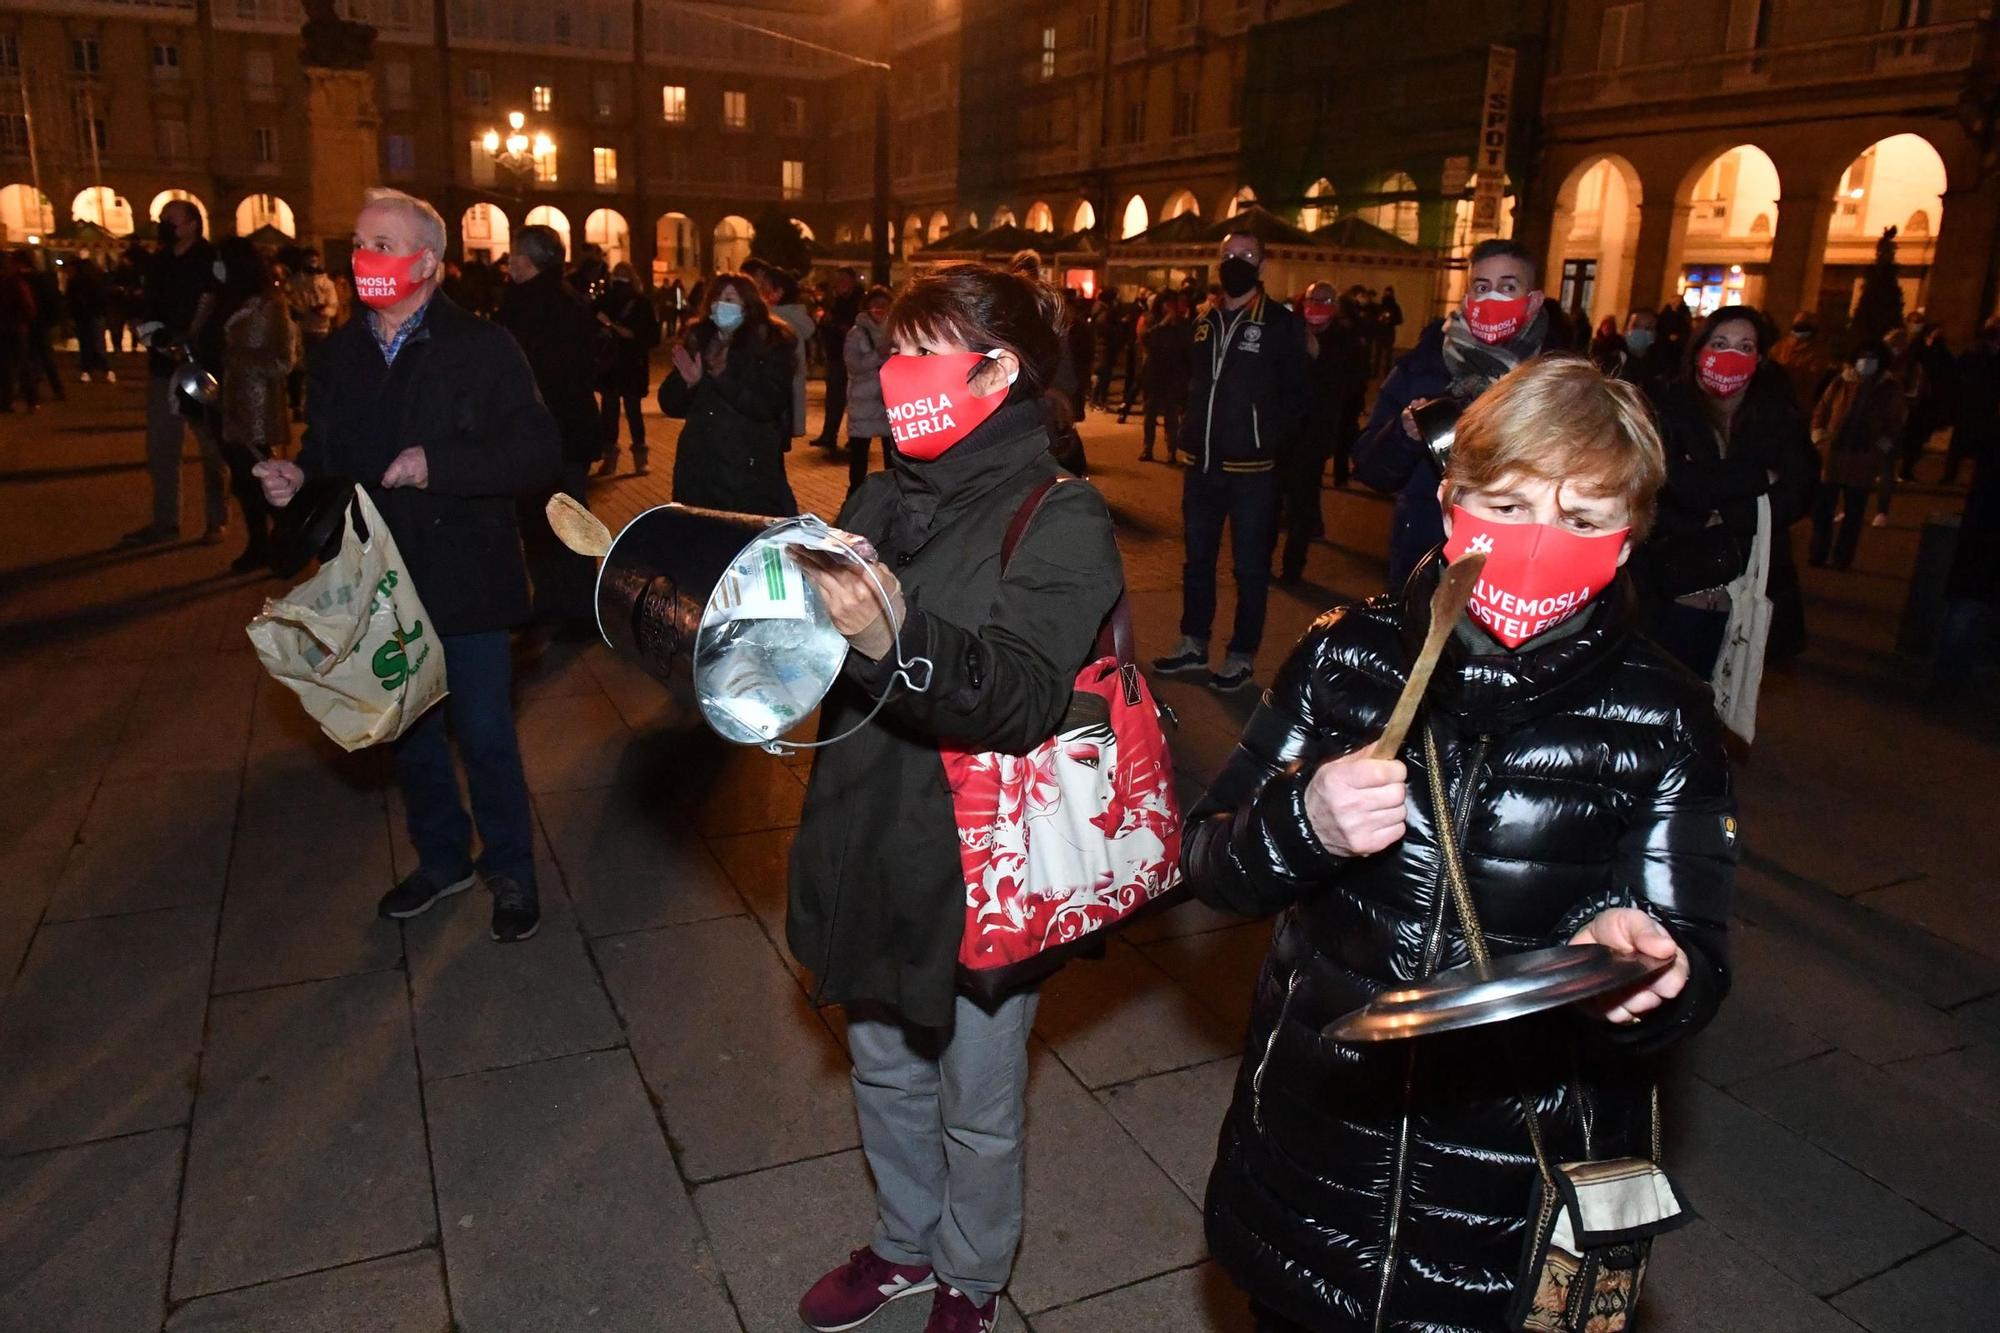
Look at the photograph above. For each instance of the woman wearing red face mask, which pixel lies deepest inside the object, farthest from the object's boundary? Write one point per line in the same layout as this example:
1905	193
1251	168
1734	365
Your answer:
1581	779
877	887
1733	435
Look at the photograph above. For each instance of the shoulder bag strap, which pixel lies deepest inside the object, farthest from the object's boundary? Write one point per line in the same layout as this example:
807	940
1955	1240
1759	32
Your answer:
1114	636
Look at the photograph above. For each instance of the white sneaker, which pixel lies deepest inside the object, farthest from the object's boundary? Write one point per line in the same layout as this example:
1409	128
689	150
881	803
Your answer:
110	377
84	377
1879	521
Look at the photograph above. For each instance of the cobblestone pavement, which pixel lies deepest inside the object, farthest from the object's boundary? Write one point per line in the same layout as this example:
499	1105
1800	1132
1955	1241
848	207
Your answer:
233	1099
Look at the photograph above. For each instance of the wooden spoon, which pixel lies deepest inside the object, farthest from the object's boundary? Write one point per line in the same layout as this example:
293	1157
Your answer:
579	529
1454	590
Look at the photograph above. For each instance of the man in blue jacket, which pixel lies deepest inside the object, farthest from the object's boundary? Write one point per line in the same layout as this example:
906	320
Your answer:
1248	397
1500	324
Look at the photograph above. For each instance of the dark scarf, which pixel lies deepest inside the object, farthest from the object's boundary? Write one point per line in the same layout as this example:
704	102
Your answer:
1475	365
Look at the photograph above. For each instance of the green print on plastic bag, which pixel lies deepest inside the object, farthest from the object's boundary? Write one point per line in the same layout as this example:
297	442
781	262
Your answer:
391	663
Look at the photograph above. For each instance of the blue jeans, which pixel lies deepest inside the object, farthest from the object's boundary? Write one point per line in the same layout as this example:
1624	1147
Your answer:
479	714
1248	501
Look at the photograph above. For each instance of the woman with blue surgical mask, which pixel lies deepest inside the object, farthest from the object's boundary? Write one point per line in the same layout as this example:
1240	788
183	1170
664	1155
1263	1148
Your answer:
732	385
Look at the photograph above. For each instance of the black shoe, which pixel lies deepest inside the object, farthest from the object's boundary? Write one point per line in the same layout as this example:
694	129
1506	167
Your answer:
517	914
1233	675
417	894
1186	656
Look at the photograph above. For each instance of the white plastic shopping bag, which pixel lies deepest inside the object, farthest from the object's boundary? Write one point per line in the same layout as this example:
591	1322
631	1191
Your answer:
353	641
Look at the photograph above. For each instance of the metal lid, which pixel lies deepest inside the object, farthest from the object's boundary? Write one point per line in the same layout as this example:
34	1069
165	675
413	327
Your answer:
1508	987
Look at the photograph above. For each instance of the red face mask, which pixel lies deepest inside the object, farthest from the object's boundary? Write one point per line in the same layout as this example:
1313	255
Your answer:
931	408
1536	575
382	280
1494	318
1319	314
1725	371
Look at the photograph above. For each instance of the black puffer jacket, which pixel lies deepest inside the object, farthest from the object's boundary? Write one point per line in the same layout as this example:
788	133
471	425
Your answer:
877	889
1387	1186
732	451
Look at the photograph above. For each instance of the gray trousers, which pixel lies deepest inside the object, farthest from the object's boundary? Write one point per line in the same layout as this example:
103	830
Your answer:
164	428
942	1116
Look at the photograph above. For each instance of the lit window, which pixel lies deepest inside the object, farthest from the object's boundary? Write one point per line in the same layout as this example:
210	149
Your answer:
545	163
1048	54
604	165
166	60
673	103
736	110
542	97
795	180
264	144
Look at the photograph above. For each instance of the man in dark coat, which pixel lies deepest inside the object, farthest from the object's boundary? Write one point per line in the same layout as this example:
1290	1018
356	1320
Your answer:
47	323
1246	401
843	307
1503	321
627	372
435	411
180	287
561	339
1339	362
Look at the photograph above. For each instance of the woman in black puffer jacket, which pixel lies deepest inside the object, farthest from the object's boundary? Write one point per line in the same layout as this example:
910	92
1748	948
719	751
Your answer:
1388	1186
732	383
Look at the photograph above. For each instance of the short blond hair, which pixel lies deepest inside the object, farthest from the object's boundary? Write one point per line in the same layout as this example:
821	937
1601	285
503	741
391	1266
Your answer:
1559	418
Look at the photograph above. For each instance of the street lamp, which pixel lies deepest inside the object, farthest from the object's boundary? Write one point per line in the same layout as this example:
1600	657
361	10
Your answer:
517	151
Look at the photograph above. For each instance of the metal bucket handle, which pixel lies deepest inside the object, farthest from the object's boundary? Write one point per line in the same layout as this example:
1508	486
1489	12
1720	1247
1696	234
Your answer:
906	667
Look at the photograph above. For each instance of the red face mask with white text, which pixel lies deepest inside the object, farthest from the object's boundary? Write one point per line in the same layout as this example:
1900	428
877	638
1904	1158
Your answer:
930	403
1536	574
1724	371
382	280
1494	318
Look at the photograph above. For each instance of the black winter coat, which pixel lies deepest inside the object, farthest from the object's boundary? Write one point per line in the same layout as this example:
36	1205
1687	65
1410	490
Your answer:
561	338
877	891
634	333
1387	1186
732	451
461	389
1247	396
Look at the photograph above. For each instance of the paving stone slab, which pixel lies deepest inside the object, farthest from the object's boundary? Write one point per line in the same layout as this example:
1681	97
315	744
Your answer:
571	742
103	1027
1200	1299
1877	944
719	1025
1956	910
644	703
301	905
401	1294
748	790
308	1143
632	861
202	729
1814	1218
1219	967
28	874
1118	1018
1753	1033
759	865
1952	1289
150	843
1100	1214
1968	1078
1176	1118
1847	1007
778	1230
1191	917
480	1005
560	1204
1701	1281
1925	1149
85	1233
558	670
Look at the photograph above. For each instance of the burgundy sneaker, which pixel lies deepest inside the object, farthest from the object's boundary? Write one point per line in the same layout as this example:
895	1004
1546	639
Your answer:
851	1294
952	1311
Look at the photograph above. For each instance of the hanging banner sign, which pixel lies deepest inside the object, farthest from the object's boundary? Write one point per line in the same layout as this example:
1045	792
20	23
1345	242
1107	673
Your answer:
1496	111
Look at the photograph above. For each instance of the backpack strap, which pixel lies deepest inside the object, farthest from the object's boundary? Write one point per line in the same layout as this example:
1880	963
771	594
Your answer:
1114	637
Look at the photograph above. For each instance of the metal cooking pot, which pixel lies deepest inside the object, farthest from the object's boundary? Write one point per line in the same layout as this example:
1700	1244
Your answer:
1437	423
712	600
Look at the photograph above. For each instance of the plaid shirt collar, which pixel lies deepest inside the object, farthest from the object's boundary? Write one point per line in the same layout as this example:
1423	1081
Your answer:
410	328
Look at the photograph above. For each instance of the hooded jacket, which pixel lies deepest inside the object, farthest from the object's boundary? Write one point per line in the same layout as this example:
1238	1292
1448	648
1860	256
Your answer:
1387	1186
1248	394
877	889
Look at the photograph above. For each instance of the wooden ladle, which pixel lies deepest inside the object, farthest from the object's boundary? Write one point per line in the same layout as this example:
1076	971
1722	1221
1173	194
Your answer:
1454	590
578	528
